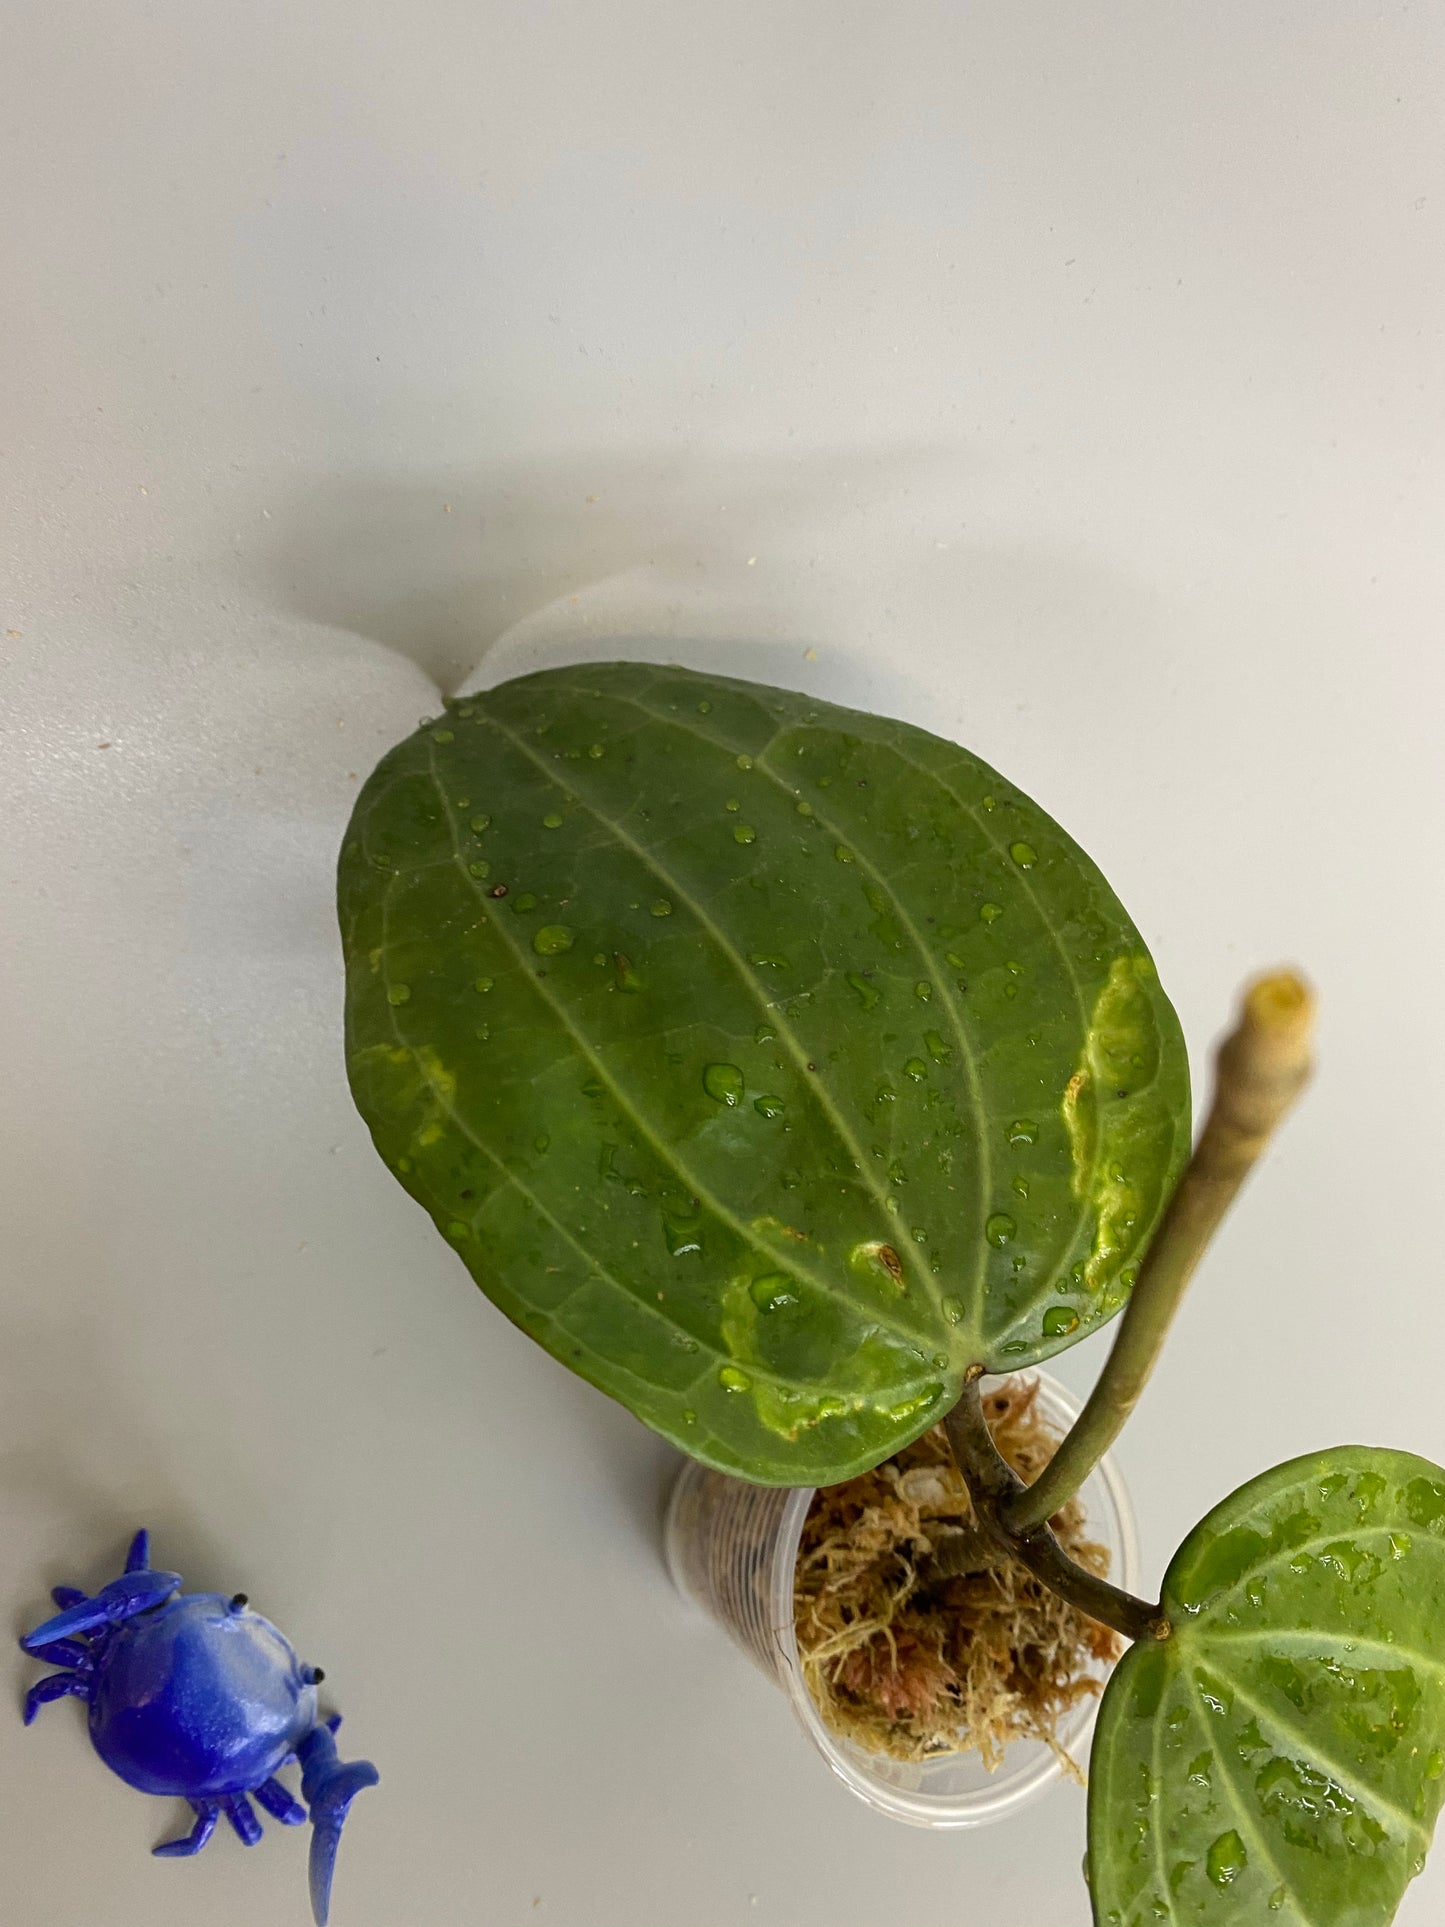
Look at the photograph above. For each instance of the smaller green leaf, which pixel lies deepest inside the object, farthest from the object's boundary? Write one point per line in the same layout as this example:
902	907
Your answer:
1280	1760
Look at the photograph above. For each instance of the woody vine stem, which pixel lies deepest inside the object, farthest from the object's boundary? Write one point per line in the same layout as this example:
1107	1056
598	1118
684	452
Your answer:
1260	1069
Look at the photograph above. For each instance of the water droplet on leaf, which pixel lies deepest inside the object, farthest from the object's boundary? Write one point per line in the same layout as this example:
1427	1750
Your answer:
953	1310
768	1106
999	1229
732	1380
745	833
990	912
480	823
868	994
1023	1130
479	868
1226	1859
916	1069
484	983
774	1291
399	994
910	1407
1059	1321
682	1225
662	908
723	1082
552	820
1024	854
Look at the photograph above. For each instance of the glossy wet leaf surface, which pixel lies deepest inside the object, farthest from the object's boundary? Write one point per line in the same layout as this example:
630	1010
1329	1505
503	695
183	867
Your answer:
768	1062
1280	1761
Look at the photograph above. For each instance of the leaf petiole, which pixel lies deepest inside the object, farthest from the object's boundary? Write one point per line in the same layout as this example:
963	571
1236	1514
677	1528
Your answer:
993	1483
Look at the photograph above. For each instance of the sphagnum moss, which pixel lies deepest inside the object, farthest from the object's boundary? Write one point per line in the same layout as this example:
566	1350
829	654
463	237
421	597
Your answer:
907	1655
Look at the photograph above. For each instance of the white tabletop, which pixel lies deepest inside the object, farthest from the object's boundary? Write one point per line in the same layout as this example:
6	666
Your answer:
1066	378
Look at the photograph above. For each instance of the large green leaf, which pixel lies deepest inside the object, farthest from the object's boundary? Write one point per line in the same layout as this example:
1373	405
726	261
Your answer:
1279	1762
768	1062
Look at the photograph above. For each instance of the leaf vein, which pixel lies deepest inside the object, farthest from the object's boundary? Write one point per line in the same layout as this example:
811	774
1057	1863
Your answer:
1301	1637
595	1269
664	1153
1275	1558
1311	1752
767	1007
926	961
1236	1801
937	778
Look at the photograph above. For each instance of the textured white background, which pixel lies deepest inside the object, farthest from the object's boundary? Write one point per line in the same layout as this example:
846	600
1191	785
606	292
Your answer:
1066	377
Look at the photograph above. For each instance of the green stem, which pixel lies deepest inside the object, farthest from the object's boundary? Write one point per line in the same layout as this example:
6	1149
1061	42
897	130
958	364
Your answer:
992	1483
1261	1068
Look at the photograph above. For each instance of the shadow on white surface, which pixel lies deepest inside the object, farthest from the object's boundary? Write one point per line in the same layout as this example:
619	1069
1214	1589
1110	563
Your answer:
64	1420
439	568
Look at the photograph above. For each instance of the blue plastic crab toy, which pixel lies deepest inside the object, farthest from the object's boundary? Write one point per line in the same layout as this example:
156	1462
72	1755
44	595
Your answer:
192	1695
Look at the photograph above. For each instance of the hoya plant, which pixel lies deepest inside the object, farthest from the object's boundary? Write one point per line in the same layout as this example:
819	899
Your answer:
783	1070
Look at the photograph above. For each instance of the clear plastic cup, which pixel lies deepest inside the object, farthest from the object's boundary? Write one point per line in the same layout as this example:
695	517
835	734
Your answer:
732	1547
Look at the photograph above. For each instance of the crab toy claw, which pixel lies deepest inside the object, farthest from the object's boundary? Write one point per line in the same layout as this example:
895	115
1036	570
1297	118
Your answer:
328	1786
138	1590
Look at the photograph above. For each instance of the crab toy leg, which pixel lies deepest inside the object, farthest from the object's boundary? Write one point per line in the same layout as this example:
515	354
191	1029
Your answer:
207	1813
279	1803
242	1816
57	1687
64	1652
